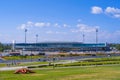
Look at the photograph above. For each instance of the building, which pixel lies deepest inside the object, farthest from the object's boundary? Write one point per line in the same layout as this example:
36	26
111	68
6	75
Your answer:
62	46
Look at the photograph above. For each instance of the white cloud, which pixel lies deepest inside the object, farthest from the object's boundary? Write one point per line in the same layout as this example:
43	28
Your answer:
79	20
30	24
114	12
65	25
55	32
85	28
90	36
111	11
42	24
58	32
61	26
26	26
49	32
117	15
23	26
107	36
74	30
96	10
62	32
48	24
56	25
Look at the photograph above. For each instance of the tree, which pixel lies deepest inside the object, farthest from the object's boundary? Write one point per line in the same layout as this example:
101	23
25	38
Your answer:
4	47
1	47
117	46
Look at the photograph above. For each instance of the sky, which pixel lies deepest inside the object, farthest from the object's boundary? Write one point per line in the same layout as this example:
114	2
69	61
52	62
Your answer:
60	21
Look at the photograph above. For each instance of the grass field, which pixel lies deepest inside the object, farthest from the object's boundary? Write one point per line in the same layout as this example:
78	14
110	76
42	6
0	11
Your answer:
21	57
24	64
75	73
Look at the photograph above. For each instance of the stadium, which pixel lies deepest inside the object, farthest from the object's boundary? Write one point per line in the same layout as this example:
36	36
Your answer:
62	46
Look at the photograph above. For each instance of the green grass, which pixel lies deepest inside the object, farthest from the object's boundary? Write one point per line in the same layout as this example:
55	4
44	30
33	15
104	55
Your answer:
32	63
75	73
83	71
2	64
24	64
103	59
21	57
86	62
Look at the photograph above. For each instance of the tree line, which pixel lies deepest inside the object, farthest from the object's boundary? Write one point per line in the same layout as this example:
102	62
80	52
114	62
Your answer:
117	46
4	47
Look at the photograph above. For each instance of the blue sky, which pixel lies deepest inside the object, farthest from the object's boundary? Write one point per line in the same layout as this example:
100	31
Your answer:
60	20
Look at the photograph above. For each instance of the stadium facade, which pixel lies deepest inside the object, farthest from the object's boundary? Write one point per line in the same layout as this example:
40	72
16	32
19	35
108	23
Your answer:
62	46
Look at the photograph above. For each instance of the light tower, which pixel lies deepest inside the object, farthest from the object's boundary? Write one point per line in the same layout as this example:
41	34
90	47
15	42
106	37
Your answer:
36	41
36	38
25	37
83	37
13	45
96	37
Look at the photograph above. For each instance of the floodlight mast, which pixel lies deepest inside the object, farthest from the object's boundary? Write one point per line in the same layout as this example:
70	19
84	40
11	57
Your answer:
36	38
96	35
83	38
36	41
25	37
96	38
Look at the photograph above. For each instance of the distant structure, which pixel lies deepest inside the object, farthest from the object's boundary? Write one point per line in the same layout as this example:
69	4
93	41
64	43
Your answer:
63	46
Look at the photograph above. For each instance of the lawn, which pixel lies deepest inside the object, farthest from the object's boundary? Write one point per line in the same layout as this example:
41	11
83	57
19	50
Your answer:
24	64
21	57
75	73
